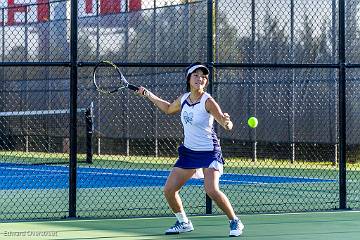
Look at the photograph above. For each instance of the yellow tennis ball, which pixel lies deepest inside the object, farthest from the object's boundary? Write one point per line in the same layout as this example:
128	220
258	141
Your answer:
253	122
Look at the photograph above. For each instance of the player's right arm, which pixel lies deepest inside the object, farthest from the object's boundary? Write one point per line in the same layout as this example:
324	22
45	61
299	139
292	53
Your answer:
164	106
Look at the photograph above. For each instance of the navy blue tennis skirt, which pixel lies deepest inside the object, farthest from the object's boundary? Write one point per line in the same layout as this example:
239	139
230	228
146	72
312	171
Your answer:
190	159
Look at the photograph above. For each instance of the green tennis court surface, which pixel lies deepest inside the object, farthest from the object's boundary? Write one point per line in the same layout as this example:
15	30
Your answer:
317	226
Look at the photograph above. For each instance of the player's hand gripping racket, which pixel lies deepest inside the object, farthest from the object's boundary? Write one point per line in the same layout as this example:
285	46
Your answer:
107	78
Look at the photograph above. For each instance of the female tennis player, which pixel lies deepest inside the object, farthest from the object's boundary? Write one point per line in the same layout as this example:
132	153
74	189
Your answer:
200	155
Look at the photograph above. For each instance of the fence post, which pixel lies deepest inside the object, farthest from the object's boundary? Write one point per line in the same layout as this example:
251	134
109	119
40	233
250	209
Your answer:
211	24
89	118
73	108
342	107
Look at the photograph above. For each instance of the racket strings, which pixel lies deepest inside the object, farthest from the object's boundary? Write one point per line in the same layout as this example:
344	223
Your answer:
107	79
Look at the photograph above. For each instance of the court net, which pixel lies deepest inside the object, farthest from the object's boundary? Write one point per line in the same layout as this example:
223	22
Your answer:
42	136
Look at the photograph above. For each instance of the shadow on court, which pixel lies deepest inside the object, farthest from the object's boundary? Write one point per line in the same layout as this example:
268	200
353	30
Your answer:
320	225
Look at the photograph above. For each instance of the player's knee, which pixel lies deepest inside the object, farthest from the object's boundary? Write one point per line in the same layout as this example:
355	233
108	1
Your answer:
168	191
212	192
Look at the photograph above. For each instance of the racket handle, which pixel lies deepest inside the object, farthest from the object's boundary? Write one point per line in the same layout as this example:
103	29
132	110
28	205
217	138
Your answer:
133	87
114	91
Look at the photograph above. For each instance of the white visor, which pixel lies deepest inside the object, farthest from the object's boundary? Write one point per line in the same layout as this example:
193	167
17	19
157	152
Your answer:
195	67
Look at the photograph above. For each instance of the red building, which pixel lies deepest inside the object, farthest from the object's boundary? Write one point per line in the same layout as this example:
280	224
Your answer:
22	11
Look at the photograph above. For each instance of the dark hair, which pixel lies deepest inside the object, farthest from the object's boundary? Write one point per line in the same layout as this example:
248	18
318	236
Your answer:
188	83
189	76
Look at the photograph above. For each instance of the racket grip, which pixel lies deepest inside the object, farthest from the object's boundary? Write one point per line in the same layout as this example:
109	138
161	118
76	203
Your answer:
133	87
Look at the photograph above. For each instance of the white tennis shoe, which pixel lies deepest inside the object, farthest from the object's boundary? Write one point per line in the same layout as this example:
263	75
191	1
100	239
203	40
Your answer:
180	228
236	228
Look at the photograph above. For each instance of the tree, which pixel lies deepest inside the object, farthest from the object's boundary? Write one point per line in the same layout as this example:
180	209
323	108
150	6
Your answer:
352	34
229	46
272	44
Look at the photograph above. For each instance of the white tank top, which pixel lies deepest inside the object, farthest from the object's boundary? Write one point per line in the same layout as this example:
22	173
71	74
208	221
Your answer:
198	125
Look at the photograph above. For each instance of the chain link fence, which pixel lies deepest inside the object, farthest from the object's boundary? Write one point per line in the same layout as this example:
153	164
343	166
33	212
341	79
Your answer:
278	61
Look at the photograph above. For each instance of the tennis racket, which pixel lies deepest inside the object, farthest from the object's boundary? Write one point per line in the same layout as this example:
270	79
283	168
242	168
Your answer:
108	79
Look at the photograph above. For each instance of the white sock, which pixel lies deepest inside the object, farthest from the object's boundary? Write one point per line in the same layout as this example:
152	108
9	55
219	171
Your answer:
181	217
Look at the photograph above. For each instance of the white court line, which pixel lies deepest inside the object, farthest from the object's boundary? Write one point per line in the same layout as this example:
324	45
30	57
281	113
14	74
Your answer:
281	176
82	172
34	175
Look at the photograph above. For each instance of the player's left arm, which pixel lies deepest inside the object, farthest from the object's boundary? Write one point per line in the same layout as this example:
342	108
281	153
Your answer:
222	118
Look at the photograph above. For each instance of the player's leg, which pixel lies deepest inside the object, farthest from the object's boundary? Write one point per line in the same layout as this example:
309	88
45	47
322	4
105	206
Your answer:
176	179
211	184
174	182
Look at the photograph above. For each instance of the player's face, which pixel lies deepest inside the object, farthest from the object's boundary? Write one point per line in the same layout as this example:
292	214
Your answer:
198	80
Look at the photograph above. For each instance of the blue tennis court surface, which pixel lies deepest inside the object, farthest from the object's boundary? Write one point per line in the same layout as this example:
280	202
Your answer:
15	176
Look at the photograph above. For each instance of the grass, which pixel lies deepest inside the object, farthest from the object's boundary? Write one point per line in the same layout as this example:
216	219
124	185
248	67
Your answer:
164	162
